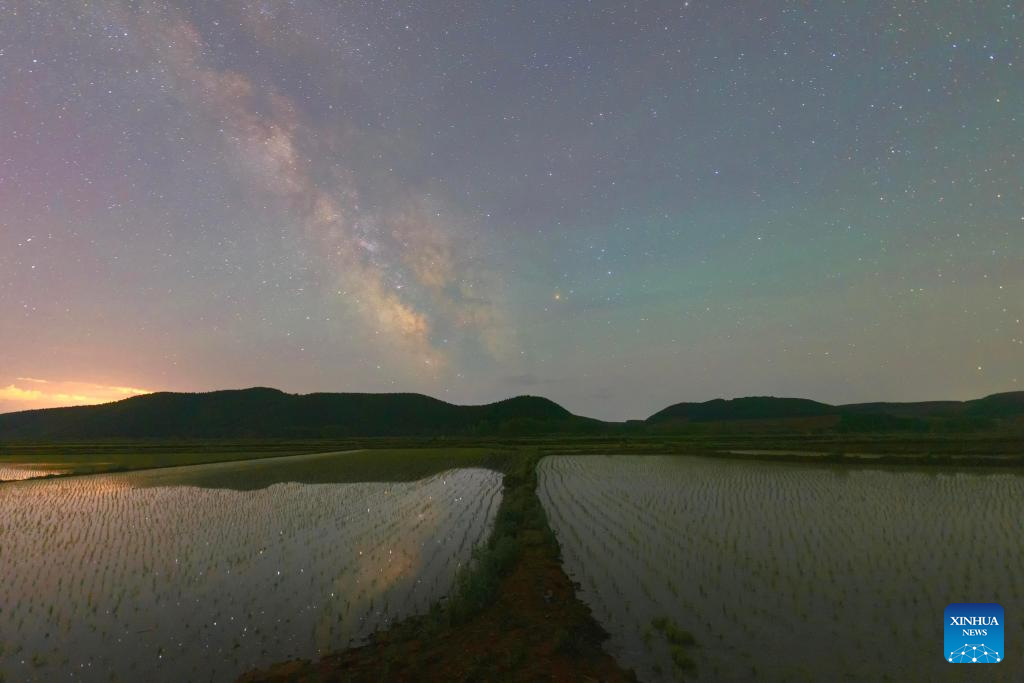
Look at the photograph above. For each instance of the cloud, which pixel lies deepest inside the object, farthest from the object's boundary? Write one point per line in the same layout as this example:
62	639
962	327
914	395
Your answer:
46	393
13	393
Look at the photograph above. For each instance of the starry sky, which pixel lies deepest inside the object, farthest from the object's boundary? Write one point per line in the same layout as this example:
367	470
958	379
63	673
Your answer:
615	205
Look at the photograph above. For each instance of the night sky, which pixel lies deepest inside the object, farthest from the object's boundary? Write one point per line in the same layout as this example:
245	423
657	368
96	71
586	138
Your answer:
615	205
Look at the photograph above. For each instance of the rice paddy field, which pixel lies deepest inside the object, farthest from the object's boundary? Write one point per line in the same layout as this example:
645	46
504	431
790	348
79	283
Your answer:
159	575
785	572
20	471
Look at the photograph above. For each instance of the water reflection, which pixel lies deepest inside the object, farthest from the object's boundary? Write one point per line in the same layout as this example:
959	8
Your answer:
20	471
781	571
115	581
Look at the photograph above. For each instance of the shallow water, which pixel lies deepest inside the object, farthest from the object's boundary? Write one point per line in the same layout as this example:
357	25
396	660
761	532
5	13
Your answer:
787	572
17	471
135	577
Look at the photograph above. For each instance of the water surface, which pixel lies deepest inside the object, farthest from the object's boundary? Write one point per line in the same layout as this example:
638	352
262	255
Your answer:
138	576
788	572
16	471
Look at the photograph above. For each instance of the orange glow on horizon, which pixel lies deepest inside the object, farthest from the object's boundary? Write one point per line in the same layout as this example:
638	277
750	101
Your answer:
27	393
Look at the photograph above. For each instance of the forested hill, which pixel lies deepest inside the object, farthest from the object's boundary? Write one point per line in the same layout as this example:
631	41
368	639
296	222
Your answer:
748	408
261	412
269	413
854	416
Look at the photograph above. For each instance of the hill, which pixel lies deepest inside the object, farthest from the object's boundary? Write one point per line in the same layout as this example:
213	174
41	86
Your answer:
269	413
749	408
920	416
1008	404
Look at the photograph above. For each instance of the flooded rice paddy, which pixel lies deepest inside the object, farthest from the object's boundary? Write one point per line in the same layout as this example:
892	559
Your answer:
144	576
18	472
786	572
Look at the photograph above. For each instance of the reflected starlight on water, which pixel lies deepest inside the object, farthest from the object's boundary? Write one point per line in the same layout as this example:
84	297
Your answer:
109	577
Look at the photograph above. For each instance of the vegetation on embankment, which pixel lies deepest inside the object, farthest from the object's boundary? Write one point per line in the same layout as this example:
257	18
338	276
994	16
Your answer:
513	614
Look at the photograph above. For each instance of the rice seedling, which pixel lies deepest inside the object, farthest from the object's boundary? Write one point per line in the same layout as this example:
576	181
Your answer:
20	472
776	569
110	576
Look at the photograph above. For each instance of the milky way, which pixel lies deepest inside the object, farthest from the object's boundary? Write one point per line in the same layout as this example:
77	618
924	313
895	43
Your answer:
617	206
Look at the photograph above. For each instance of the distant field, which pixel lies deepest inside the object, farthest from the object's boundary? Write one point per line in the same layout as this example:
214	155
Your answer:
413	457
102	456
989	443
337	467
382	464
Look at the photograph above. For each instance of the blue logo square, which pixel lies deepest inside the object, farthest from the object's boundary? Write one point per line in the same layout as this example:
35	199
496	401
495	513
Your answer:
974	633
